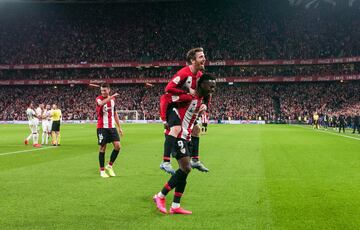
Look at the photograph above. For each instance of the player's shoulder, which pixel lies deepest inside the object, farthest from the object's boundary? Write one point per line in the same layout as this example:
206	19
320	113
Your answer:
99	97
184	72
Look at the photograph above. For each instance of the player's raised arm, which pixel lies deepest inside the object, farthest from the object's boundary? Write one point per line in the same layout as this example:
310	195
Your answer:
172	86
100	102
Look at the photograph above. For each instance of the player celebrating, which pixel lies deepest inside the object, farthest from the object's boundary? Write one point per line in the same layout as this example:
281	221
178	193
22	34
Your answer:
181	88
46	125
33	125
106	131
184	114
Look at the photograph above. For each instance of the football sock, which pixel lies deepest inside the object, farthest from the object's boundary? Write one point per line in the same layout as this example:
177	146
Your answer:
175	205
102	161
180	186
195	141
168	147
43	138
174	179
30	136
113	156
167	151
59	138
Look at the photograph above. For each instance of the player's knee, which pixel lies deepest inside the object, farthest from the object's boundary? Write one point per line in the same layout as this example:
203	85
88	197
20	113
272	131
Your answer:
117	146
102	148
186	169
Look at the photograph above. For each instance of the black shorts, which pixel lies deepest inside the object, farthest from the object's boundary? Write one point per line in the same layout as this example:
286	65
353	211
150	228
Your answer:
106	135
55	126
182	149
204	124
172	116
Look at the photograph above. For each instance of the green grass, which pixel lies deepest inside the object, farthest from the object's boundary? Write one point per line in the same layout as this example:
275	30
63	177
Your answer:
262	177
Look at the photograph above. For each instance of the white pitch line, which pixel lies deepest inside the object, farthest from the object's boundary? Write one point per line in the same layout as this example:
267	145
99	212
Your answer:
329	132
23	151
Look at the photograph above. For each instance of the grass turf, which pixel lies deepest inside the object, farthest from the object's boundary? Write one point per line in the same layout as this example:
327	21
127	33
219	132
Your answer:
262	177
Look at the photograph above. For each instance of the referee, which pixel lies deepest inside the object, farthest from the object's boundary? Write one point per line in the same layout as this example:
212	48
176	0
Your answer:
55	129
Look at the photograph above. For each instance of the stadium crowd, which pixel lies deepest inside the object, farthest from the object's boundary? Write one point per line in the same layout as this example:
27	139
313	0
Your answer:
238	30
285	101
168	72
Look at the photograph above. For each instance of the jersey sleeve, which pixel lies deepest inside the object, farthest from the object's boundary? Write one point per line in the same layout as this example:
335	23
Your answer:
98	101
176	81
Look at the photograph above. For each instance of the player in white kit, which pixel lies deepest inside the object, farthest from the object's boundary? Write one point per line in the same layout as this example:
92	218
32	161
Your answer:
33	125
46	125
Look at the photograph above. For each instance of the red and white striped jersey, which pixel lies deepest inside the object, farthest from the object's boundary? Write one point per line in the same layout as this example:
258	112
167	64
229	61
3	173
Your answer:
105	113
205	118
188	113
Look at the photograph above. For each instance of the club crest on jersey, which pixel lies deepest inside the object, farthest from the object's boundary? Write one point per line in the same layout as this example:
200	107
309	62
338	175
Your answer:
175	98
176	80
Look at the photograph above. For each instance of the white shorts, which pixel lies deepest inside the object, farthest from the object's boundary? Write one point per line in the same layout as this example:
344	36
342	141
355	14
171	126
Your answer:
46	126
34	127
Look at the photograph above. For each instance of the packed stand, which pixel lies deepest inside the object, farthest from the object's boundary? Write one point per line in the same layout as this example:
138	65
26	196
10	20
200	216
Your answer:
238	30
230	102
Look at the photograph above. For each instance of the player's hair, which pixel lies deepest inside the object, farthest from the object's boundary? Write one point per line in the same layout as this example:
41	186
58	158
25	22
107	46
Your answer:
206	77
105	85
191	54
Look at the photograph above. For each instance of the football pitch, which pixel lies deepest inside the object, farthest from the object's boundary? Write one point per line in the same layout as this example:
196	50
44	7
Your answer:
261	177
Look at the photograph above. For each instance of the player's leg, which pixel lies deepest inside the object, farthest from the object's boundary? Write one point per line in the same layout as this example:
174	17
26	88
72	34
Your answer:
177	181
102	141
194	150
114	136
30	136
44	132
36	134
58	134
174	123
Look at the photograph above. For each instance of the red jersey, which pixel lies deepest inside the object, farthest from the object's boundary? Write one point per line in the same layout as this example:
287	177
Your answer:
188	113
182	81
205	118
105	113
177	90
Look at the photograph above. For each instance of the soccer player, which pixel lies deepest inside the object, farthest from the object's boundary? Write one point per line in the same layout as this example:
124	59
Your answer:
106	131
33	125
181	88
56	117
185	114
204	121
46	125
39	111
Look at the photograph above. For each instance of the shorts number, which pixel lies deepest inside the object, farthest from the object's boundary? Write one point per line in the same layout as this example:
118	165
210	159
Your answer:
182	148
101	137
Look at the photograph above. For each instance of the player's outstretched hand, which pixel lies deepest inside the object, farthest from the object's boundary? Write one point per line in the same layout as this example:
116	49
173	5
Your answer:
192	91
121	132
115	95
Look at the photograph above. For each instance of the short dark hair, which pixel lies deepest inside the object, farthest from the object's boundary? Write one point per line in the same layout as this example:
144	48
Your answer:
105	85
206	77
191	54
